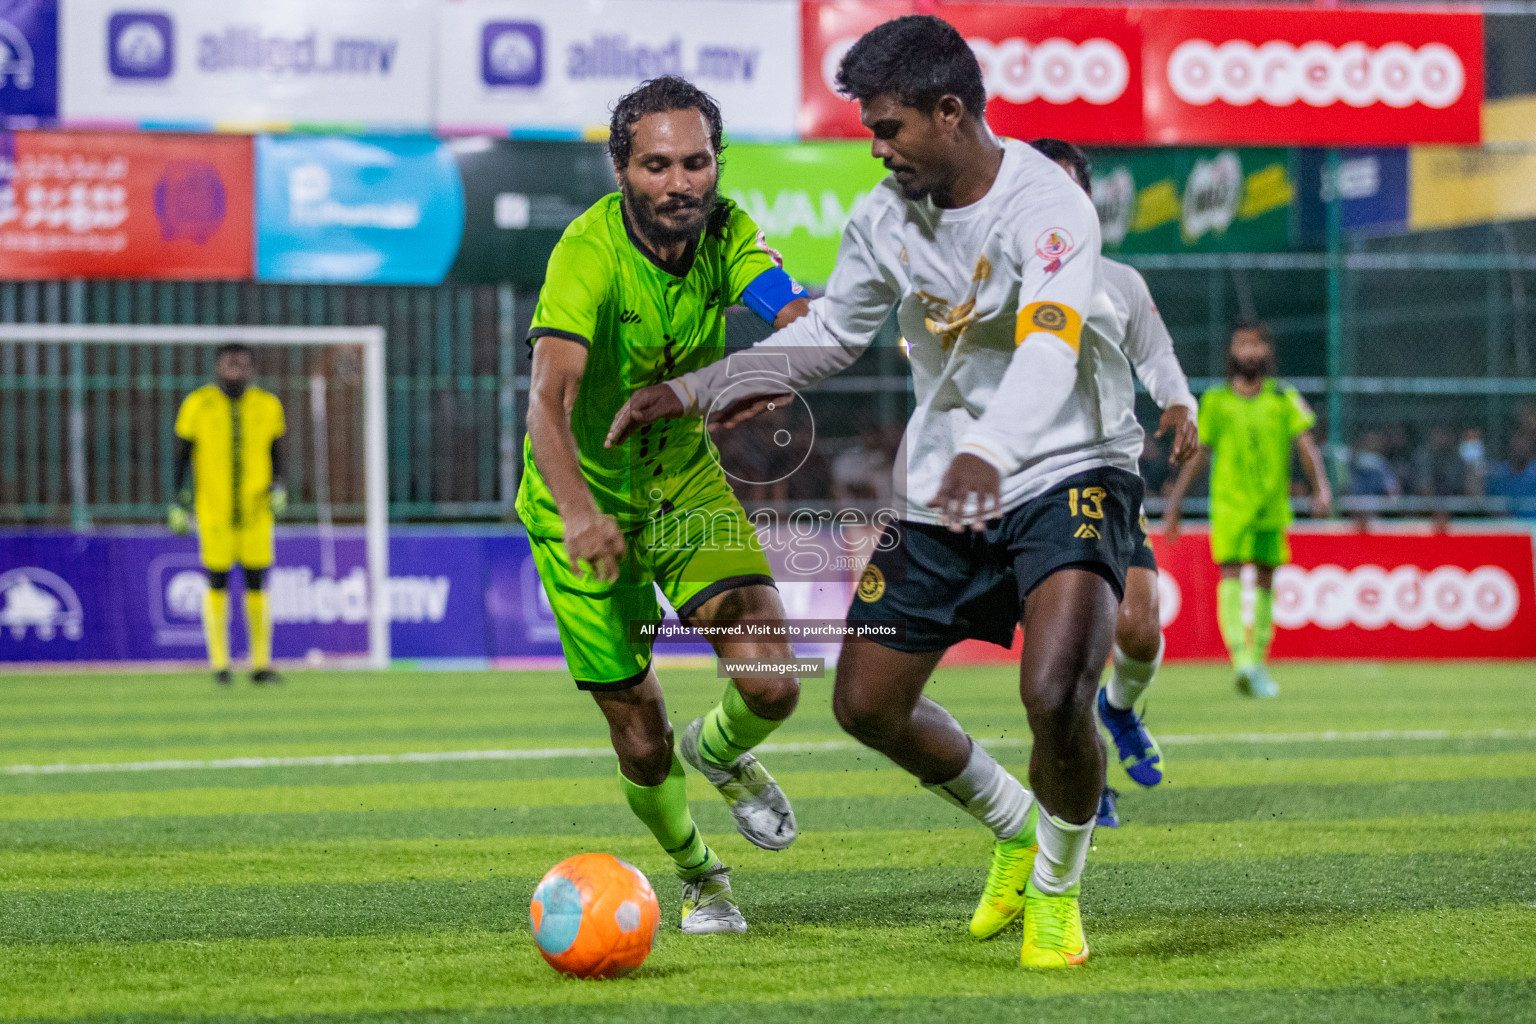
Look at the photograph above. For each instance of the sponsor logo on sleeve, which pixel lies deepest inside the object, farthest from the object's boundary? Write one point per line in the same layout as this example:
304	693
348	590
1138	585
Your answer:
1051	246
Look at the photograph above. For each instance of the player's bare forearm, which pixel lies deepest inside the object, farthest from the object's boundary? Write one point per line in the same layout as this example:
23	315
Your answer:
1173	511
1317	475
791	312
590	536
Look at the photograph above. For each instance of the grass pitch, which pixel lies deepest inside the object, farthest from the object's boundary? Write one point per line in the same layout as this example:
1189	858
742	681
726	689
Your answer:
1362	849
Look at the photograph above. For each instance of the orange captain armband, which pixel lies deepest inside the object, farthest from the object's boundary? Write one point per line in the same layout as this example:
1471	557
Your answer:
1051	318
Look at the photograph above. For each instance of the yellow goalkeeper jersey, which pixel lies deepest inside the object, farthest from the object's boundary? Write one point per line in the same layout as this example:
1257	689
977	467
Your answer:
231	453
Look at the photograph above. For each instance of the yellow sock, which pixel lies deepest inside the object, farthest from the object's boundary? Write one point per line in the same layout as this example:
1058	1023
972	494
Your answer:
258	622
216	627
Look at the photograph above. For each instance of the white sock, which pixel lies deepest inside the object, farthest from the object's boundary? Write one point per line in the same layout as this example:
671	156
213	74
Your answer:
989	793
1131	678
1063	851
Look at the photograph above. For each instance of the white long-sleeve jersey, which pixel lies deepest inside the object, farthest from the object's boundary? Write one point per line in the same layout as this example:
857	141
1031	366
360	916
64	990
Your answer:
1013	340
1145	338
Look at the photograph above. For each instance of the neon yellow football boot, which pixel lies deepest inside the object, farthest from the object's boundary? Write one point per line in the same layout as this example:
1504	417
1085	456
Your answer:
1053	929
1002	899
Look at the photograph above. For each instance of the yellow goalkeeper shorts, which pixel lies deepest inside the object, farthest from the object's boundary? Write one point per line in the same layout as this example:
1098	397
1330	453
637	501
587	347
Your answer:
222	547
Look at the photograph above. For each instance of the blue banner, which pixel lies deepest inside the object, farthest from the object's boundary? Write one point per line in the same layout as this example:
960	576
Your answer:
1372	188
29	62
379	210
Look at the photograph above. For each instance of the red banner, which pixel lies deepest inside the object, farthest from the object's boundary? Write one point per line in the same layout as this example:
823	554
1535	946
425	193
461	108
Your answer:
1355	595
1187	74
1277	76
110	204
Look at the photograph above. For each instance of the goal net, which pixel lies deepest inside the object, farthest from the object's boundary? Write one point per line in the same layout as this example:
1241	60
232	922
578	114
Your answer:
87	418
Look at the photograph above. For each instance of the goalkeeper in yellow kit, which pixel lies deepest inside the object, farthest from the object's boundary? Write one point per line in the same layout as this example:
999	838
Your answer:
228	434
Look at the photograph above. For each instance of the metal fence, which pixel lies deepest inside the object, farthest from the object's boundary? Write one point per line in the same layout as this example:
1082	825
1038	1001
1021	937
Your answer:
1403	339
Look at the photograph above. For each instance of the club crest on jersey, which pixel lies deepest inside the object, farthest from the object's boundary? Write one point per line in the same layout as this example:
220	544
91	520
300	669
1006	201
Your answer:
762	243
1051	246
871	584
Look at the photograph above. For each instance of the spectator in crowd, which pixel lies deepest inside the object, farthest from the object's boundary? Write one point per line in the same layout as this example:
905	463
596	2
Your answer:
1515	477
1397	447
1474	455
1370	474
1439	471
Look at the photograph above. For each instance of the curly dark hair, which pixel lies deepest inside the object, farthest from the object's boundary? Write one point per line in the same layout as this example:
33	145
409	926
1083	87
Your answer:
1064	152
657	96
919	59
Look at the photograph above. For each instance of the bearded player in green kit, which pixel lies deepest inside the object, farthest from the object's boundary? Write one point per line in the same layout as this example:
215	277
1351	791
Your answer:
636	293
1249	426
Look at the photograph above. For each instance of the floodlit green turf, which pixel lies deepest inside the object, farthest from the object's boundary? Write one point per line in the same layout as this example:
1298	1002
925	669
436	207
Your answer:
1298	865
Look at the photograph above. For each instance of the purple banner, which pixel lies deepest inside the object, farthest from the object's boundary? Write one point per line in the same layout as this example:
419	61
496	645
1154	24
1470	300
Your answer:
137	595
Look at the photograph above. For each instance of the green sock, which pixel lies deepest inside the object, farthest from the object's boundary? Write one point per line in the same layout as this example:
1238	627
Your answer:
1229	613
1263	623
731	729
664	809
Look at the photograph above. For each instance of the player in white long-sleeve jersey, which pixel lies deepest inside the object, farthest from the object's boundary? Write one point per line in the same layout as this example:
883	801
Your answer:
1138	632
1019	492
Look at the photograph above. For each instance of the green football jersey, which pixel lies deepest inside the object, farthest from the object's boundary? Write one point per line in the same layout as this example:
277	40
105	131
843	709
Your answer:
1250	441
642	324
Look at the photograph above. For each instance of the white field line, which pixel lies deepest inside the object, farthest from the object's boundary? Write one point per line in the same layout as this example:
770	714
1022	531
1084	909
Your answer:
556	753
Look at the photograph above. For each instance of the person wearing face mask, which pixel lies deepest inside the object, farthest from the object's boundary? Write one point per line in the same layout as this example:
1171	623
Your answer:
1248	427
228	435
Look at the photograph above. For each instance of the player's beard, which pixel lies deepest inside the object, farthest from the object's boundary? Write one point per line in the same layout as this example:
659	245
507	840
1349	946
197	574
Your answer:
232	388
648	214
1251	369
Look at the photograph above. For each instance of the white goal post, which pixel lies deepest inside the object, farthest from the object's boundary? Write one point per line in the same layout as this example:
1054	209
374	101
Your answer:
376	482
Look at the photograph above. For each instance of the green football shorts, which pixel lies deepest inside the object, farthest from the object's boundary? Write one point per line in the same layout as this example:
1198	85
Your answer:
1241	543
691	554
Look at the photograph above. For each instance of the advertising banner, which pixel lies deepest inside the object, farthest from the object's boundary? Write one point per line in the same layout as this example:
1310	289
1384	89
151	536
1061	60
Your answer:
1280	76
372	209
1194	200
1060	71
1453	186
801	196
1186	74
532	67
116	204
519	195
1372	188
29	62
243	65
1354	595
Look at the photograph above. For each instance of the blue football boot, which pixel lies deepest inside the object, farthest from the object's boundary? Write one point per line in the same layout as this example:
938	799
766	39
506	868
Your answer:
1139	753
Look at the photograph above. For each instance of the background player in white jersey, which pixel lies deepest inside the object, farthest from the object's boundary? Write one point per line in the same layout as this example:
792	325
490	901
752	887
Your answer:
1019	493
1139	632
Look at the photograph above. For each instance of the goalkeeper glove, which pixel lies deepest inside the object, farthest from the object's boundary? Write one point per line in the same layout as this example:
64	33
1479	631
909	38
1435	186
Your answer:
279	501
177	518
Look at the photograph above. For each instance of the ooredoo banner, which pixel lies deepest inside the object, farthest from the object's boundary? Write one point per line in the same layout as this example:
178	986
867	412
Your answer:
1187	74
116	204
1270	75
532	67
1359	595
248	64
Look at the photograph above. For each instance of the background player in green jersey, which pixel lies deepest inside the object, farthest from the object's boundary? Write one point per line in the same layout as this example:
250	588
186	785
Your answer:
1247	429
636	293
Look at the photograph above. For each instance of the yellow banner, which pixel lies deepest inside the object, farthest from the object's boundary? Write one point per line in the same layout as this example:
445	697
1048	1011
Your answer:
1452	186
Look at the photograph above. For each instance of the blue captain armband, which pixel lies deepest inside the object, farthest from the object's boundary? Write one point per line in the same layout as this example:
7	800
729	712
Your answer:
770	292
